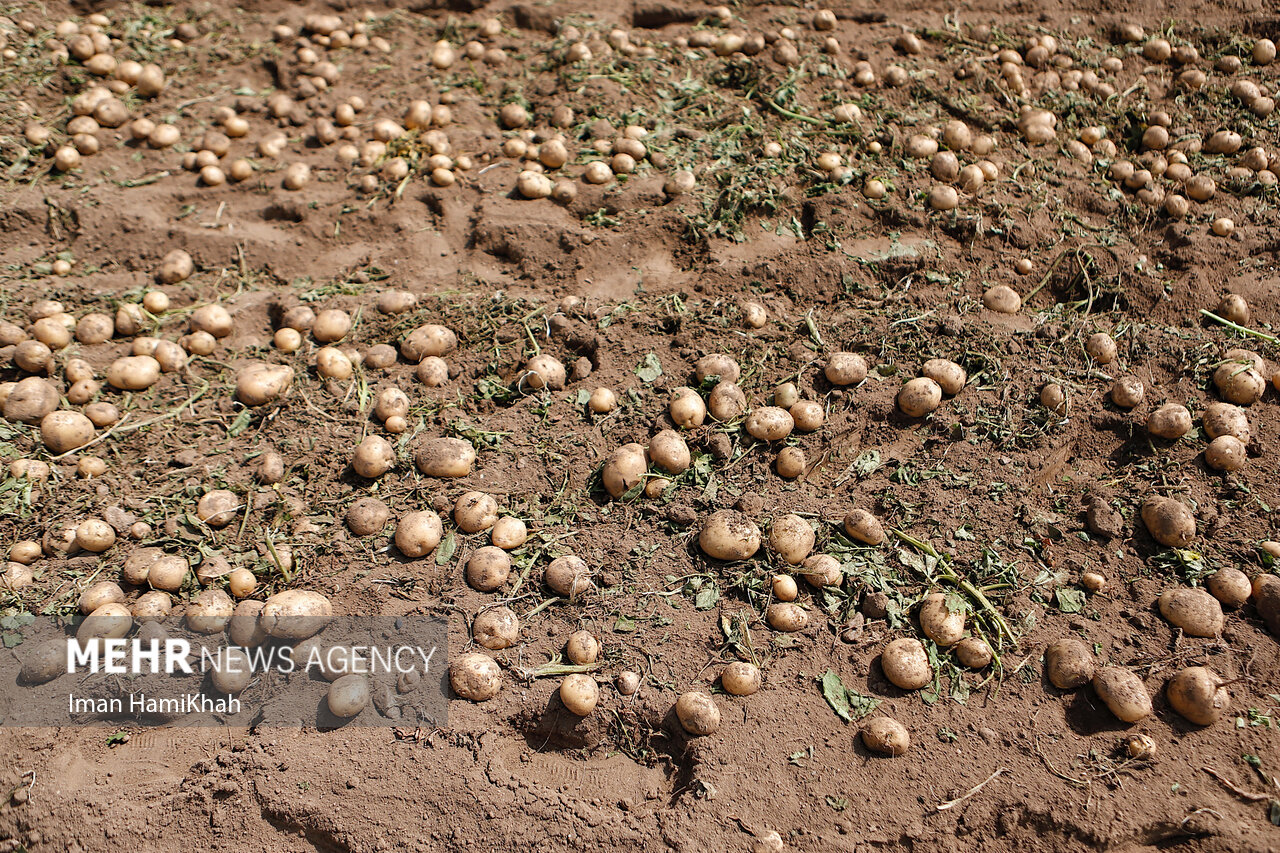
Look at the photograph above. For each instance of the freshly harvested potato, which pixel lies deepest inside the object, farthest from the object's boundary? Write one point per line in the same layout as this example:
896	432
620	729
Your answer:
1127	392
331	325
845	368
624	469
16	576
729	535
687	408
63	432
906	664
209	612
349	695
488	568
475	676
579	693
475	511
245	628
95	535
1169	521
433	371
717	364
544	371
45	662
391	402
373	457
602	401
784	587
864	527
791	538
418	533
697	713
333	363
496	628
569	576
1230	586
241	582
919	397
213	319
973	652
261	383
218	508
726	402
232	671
790	462
807	415
949	375
30	400
582	648
939	622
628	682
367	516
1101	347
445	457
429	339
1123	693
296	614
133	372
741	678
1195	611
786	616
1225	419
669	452
1225	453
176	266
822	570
168	573
1198	695
1171	421
509	533
1002	299
886	736
108	622
1068	663
1239	384
1266	595
770	423
100	593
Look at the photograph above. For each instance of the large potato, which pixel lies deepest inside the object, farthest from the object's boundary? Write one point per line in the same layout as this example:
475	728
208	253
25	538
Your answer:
245	628
939	622
687	408
260	383
1195	611
579	693
1225	419
108	622
845	368
488	568
864	527
475	511
669	452
717	364
218	508
1171	421
475	676
209	612
1068	663
168	572
367	516
373	457
906	664
496	628
1198	695
152	606
886	736
569	576
786	616
919	397
44	663
445	457
624	469
63	432
729	535
418	533
296	614
949	375
726	402
1230	586
175	266
348	695
30	400
1170	522
544	371
1122	692
821	570
426	340
791	538
697	713
100	593
133	372
770	423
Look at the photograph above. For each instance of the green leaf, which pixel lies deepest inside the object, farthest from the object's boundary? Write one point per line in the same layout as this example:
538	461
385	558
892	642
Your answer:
240	424
706	597
583	396
11	640
867	464
624	625
1070	600
849	705
445	552
649	369
1275	812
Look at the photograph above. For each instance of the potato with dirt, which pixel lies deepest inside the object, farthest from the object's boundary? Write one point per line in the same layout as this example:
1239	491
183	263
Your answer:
445	457
1194	611
864	527
569	576
906	664
729	535
624	470
496	628
741	678
698	713
475	676
1198	694
1169	522
886	736
791	538
942	619
296	614
1069	663
1123	693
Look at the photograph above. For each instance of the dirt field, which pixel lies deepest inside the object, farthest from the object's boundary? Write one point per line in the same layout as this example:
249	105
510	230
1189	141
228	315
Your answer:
628	283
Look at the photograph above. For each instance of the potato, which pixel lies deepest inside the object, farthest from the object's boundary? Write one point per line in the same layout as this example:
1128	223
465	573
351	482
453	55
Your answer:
579	693
488	568
367	516
333	363
331	325
602	401
787	617
1266	595
25	551
1123	693
1225	419
209	612
102	414
726	402
1171	421
669	452
218	507
741	678
948	375
822	570
445	457
45	662
261	383
1198	695
628	682
1068	663
1127	392
138	564
391	402
176	266
1239	384
95	535
296	614
906	664
1101	348
433	371
582	648
213	319
806	415
784	587
348	696
886	736
1195	611
790	462
729	535
919	397
232	671
791	538
569	576
939	622
245	628
687	409
108	622
168	573
770	423
30	400
1002	299
864	527
418	533
100	593
396	302
426	340
1230	586
63	432
845	368
496	628
475	676
973	652
1169	522
95	329
508	533
717	364
624	469
543	371
697	713
1225	453
241	583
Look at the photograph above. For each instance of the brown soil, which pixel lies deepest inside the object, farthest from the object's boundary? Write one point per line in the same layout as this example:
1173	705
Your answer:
991	479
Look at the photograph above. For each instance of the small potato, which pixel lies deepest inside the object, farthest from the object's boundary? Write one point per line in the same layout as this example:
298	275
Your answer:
687	409
261	383
508	533
544	371
176	266
726	402
25	551
729	535
433	371
845	368
741	678
784	588
213	319
1225	453
1101	347
697	713
108	622
367	516
974	653
102	592
821	570
1002	299
168	573
245	628
1171	422
602	401
232	671
1198	695
569	576
488	568
717	364
296	614
787	617
429	339
475	676
886	736
1266	595
579	693
1127	392
787	396
1230	586
209	612
949	376
331	325
906	664
154	606
1068	663
32	356
445	457
496	628
63	432
418	534
475	511
939	622
864	527
95	535
582	648
919	397
218	508
624	470
1195	611
806	414
241	583
669	452
770	423
628	682
1123	693
790	462
1169	521
349	695
1225	419
791	538
44	663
